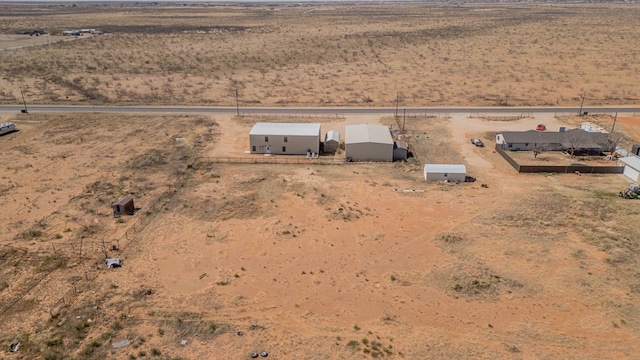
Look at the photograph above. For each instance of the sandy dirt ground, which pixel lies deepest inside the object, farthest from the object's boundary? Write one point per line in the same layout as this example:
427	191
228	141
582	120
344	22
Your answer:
306	261
13	42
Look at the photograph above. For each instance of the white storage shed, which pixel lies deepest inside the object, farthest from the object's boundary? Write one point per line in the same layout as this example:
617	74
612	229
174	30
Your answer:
331	141
631	167
448	172
284	138
368	143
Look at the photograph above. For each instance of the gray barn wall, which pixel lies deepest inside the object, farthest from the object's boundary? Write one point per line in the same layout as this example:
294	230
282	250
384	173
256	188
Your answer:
431	176
369	152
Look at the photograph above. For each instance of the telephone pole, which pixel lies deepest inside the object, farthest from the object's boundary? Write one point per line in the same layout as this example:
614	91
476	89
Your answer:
583	95
26	111
404	118
237	104
397	102
614	122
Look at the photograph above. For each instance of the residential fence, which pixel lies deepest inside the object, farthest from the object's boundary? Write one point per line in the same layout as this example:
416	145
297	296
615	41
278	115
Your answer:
583	169
293	116
500	117
510	160
286	159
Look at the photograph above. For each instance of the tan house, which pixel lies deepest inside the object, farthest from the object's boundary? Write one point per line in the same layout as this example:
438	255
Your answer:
284	138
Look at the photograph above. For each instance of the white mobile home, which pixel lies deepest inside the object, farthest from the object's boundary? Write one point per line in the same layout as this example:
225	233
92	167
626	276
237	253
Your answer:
284	138
448	172
368	143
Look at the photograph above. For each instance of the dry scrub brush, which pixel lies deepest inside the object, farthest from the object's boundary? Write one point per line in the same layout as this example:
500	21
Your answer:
343	56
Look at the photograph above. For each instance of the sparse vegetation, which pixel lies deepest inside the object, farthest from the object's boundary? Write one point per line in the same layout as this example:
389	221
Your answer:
330	60
339	244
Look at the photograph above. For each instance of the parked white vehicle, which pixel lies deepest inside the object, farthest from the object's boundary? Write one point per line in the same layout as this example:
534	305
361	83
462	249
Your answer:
477	142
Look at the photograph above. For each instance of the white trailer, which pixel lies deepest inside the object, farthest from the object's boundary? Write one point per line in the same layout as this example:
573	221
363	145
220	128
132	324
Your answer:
7	128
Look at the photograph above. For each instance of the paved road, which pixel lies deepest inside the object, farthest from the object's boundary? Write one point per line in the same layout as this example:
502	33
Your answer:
319	111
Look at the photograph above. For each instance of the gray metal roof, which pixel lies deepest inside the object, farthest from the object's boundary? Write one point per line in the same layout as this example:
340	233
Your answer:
446	168
590	140
292	129
332	135
366	133
632	161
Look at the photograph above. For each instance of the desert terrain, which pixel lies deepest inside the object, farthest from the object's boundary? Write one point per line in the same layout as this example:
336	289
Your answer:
356	54
304	260
230	253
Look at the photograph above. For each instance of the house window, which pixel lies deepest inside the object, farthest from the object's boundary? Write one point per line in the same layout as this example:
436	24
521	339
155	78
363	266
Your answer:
266	139
284	148
510	145
253	148
286	139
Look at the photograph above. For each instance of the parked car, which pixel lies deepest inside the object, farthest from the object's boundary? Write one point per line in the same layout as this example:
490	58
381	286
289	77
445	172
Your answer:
477	142
541	127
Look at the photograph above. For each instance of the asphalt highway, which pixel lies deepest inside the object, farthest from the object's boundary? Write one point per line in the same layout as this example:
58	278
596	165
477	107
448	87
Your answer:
315	110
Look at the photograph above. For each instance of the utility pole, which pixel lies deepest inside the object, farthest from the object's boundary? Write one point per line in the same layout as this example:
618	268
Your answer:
26	111
404	117
237	104
583	95
614	122
397	102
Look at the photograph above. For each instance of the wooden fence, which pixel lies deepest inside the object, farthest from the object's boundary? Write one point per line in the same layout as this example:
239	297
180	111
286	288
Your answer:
583	169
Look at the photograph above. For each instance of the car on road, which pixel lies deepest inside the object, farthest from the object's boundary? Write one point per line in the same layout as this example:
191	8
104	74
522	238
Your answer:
477	142
541	127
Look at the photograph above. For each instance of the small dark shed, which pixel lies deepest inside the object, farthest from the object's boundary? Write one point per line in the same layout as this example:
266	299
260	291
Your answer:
123	206
400	151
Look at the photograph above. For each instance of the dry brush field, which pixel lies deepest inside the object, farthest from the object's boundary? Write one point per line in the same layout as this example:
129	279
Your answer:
312	261
303	261
328	54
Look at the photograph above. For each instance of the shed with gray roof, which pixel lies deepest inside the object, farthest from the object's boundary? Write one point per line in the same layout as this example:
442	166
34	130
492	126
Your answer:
284	138
400	151
331	141
631	167
366	142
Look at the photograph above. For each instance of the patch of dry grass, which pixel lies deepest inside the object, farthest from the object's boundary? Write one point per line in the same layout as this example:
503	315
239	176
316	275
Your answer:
476	54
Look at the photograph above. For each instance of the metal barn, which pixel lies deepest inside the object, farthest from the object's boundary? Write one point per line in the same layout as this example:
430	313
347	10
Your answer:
368	143
284	138
442	172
